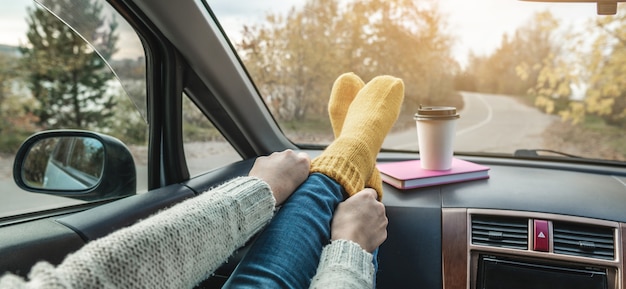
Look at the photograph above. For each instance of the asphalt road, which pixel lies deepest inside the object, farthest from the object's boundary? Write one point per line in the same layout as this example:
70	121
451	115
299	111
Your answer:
488	123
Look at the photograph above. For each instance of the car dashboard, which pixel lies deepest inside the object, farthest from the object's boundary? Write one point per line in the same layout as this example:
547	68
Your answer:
552	223
547	222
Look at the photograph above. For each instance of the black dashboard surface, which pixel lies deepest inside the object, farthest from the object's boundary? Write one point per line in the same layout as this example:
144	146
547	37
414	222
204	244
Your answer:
412	253
585	191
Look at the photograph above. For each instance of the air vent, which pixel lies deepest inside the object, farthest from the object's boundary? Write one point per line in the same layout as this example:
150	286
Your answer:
583	240
499	231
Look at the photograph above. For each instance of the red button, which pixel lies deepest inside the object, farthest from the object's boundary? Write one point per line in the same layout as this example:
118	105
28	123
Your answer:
542	236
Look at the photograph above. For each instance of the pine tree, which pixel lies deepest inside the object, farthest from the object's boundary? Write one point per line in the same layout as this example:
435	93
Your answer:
67	75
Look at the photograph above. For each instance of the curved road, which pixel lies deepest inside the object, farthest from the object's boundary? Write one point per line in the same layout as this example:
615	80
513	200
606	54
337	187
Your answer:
488	123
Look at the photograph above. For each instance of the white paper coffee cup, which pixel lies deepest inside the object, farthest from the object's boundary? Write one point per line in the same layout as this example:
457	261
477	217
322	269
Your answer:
435	132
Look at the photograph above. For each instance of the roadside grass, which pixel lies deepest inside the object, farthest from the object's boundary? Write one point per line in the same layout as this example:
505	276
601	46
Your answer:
615	137
196	133
528	100
590	139
315	130
11	140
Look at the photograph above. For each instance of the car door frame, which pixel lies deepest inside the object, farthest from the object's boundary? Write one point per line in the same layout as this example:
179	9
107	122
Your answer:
27	239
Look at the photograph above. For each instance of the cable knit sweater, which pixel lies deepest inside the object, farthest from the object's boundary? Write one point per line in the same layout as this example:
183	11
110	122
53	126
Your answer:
181	246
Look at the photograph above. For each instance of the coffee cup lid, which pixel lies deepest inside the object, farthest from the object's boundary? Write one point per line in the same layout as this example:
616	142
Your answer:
436	112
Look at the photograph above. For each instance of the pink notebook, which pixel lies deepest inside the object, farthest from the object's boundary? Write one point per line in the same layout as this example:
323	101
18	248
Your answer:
409	174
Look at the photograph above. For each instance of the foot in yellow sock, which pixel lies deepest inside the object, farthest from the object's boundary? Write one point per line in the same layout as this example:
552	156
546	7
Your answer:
342	94
351	158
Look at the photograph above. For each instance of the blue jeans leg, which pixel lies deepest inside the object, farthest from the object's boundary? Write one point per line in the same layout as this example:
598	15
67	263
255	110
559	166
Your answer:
286	254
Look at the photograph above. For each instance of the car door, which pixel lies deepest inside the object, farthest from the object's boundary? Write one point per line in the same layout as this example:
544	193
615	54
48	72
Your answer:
147	98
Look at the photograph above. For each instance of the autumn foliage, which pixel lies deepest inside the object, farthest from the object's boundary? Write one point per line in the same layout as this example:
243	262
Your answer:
575	72
295	58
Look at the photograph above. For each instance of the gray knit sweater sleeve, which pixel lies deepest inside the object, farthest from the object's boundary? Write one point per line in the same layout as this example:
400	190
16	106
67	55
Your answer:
181	246
344	265
176	248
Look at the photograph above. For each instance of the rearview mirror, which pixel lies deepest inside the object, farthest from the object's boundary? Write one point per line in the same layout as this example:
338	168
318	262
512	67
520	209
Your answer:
77	164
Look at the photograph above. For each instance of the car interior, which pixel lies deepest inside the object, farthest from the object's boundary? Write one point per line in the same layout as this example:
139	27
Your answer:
549	222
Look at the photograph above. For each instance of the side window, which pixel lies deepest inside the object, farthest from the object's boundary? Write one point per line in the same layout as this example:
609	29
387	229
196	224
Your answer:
205	147
68	64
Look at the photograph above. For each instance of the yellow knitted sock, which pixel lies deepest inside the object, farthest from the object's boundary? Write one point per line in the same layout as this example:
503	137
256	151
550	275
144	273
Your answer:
351	158
342	94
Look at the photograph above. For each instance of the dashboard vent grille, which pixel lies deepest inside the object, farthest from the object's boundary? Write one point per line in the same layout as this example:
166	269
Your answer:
497	231
583	240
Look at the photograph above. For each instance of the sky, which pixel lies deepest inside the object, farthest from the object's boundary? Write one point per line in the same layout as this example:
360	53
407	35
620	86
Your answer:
12	24
478	25
13	28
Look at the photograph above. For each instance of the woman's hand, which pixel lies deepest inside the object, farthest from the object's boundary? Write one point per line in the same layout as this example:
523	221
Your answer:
361	219
283	171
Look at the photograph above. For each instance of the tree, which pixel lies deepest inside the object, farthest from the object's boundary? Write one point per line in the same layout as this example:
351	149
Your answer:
606	67
6	76
548	64
290	56
295	58
15	123
515	66
66	75
593	61
408	40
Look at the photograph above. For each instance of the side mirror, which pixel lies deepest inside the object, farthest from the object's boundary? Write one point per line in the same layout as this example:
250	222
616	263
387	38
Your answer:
77	164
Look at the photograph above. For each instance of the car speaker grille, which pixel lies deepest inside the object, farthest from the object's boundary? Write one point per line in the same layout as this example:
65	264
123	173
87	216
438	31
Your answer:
583	240
499	231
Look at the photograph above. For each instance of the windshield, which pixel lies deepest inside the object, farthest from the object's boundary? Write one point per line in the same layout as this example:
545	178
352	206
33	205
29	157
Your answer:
523	75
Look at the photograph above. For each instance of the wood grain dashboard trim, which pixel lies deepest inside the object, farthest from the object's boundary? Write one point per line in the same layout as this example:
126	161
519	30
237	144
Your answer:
454	251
